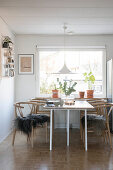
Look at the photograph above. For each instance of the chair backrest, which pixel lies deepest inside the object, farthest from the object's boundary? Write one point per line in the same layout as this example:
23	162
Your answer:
97	99
104	109
38	108
18	110
32	106
101	107
41	98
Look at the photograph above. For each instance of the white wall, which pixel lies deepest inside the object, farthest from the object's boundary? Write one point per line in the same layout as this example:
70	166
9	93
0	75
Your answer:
26	44
6	93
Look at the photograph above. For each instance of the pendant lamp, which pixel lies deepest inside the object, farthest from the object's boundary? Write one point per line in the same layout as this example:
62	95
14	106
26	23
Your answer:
64	69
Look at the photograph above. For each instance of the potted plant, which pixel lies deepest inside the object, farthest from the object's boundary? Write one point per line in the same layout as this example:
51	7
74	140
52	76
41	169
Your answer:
81	94
6	42
67	87
90	79
55	92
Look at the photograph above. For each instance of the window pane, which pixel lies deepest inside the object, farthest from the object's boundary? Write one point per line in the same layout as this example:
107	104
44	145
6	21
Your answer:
77	62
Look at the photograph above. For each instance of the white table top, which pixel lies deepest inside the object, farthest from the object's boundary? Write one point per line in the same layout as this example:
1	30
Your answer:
79	105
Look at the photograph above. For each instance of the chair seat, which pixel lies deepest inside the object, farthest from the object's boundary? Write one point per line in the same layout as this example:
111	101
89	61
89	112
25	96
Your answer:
25	124
93	117
40	118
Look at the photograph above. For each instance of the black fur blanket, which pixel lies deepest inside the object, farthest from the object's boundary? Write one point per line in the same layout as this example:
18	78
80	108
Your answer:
97	122
25	124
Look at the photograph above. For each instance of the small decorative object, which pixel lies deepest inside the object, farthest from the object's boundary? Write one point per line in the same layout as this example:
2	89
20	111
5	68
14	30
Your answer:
69	102
49	104
81	94
26	63
55	92
7	58
67	87
6	42
90	79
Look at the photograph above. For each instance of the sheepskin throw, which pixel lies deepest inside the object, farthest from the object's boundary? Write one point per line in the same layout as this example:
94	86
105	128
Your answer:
25	124
97	122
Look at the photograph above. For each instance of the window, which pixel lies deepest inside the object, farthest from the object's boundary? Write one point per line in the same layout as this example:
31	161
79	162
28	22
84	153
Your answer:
78	61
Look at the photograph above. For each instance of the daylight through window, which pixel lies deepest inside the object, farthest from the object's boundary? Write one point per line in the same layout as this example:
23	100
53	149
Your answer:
78	62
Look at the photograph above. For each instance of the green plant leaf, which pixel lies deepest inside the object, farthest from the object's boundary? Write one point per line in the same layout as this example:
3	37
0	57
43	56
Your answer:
86	79
85	74
92	79
57	79
67	87
90	73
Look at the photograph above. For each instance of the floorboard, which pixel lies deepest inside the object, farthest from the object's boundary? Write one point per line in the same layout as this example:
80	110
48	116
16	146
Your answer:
22	157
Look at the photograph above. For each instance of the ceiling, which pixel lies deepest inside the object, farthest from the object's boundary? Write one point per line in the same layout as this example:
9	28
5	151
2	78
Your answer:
48	16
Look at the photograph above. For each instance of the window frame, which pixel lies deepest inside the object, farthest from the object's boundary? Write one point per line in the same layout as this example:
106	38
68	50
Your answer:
81	48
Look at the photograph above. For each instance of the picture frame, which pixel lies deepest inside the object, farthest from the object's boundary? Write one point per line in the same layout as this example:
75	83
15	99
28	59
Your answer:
26	64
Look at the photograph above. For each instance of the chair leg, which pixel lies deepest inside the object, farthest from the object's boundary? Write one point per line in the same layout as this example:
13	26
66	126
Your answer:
32	136
28	138
84	137
110	140
14	134
81	130
104	136
46	132
109	135
107	139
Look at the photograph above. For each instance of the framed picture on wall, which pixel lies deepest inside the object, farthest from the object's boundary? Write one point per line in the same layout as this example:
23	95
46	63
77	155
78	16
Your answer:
26	63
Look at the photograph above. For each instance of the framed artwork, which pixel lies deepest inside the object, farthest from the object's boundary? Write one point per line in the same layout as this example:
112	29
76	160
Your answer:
26	63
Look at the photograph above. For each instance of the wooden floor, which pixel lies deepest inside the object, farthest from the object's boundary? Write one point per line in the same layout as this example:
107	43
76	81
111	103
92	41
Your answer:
23	157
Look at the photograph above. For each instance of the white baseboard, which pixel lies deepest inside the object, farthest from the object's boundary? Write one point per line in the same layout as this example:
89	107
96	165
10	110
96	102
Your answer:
1	140
59	125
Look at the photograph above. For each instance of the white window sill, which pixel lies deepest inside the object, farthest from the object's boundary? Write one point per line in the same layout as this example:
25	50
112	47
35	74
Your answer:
76	95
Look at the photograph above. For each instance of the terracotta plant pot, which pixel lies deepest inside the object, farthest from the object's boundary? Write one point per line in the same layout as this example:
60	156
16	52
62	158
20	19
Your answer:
54	93
90	93
81	94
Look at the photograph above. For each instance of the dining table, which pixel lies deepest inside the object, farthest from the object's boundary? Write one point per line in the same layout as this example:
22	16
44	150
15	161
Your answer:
78	105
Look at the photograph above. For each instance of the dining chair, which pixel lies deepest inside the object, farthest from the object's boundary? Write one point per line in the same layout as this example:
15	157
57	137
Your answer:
101	117
92	101
19	113
39	109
